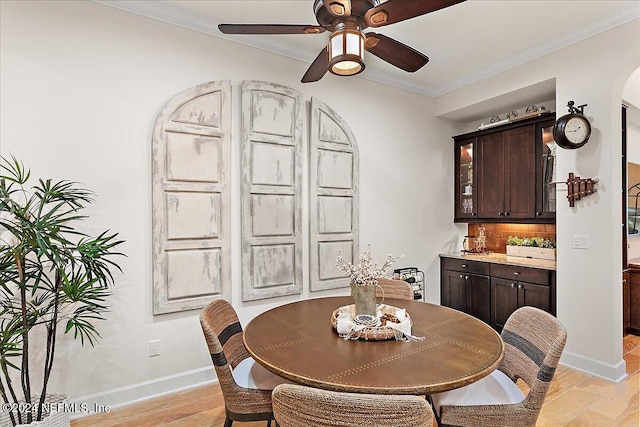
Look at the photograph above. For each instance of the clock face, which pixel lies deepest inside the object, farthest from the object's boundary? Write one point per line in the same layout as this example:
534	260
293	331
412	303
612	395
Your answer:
576	130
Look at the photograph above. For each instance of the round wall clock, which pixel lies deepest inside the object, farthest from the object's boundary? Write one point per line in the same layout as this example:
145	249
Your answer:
572	131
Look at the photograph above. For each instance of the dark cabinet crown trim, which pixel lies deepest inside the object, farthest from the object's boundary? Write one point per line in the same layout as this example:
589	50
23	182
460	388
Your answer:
512	125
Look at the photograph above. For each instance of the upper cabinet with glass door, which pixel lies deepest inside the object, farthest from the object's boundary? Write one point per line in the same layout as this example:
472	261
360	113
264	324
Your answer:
465	204
546	174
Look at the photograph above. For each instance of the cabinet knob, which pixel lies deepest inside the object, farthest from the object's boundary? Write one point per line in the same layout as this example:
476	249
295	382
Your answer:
538	213
461	276
520	286
466	277
501	213
507	213
516	273
513	285
474	214
464	266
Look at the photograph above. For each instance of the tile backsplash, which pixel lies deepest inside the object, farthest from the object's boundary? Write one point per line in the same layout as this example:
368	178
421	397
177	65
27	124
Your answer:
497	233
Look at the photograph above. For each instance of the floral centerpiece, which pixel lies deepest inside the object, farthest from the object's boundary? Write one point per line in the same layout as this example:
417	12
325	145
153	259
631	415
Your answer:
364	278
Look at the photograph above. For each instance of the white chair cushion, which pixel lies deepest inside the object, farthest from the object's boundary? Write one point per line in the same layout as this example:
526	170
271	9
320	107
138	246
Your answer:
249	374
494	389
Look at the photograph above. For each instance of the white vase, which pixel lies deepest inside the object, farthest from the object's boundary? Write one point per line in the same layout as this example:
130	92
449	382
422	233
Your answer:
58	413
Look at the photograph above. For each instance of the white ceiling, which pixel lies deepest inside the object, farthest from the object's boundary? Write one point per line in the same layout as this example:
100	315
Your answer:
465	43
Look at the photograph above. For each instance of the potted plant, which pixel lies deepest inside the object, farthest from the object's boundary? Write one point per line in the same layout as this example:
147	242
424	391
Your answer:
531	247
52	276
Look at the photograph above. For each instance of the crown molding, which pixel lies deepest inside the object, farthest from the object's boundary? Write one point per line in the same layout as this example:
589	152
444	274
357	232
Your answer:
172	15
630	13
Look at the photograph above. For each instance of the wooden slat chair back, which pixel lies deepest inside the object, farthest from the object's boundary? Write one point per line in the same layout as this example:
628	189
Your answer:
398	289
223	333
300	406
534	341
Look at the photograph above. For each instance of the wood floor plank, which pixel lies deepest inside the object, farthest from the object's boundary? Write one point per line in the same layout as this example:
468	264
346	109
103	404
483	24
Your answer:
575	399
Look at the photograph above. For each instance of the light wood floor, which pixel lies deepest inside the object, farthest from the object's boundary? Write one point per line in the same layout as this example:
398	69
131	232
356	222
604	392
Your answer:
574	399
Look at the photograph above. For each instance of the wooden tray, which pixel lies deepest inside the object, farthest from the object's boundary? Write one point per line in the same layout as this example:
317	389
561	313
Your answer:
371	333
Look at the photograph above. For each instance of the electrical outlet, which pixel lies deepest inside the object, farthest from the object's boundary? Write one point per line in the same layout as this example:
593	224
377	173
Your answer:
154	348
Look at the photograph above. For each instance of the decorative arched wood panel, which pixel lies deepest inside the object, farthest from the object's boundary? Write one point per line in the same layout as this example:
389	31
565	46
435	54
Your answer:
191	199
271	193
333	197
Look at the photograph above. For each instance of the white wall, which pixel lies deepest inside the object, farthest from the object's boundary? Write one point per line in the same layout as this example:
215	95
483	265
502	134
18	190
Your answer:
81	85
631	91
589	291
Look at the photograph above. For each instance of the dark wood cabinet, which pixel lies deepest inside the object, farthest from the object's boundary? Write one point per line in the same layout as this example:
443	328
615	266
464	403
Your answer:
626	303
507	174
466	287
634	301
512	173
491	182
513	287
491	291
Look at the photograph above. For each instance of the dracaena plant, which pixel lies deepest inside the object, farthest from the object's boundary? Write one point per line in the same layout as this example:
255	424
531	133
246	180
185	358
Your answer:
53	277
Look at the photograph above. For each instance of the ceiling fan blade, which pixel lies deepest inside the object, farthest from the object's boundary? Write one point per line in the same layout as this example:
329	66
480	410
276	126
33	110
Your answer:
269	29
394	52
318	68
393	11
338	7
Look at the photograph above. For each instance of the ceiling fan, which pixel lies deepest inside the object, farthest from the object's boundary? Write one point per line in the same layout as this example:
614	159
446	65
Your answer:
346	19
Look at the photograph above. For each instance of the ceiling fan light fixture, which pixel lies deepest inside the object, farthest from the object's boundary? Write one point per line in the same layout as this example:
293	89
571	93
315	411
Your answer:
346	51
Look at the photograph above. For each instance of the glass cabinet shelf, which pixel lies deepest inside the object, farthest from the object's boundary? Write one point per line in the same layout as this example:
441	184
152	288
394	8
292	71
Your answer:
465	202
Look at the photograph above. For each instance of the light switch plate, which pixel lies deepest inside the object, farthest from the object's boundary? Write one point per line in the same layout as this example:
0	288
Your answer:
580	241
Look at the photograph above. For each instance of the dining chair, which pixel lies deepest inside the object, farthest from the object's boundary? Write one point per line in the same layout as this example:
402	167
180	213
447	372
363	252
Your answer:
391	288
246	385
300	406
533	341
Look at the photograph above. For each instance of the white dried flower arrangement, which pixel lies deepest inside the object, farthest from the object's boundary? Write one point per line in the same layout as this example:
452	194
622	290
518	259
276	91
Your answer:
365	273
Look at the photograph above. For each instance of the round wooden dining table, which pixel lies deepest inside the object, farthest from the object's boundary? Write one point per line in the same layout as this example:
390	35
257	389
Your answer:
297	341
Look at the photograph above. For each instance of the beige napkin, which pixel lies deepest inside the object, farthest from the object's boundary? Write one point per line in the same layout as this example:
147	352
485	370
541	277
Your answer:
345	322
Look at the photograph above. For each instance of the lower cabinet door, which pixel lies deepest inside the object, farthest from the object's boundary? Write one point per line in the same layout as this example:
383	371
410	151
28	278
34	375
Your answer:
626	304
533	295
634	303
479	290
505	301
454	290
509	295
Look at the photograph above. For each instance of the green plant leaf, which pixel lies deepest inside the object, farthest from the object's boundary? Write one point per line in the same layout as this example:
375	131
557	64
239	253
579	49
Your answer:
55	272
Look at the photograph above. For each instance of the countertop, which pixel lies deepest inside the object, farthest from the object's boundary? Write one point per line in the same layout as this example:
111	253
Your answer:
634	263
498	258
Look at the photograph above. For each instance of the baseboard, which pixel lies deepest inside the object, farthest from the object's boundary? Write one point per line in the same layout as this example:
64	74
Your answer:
615	373
112	399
